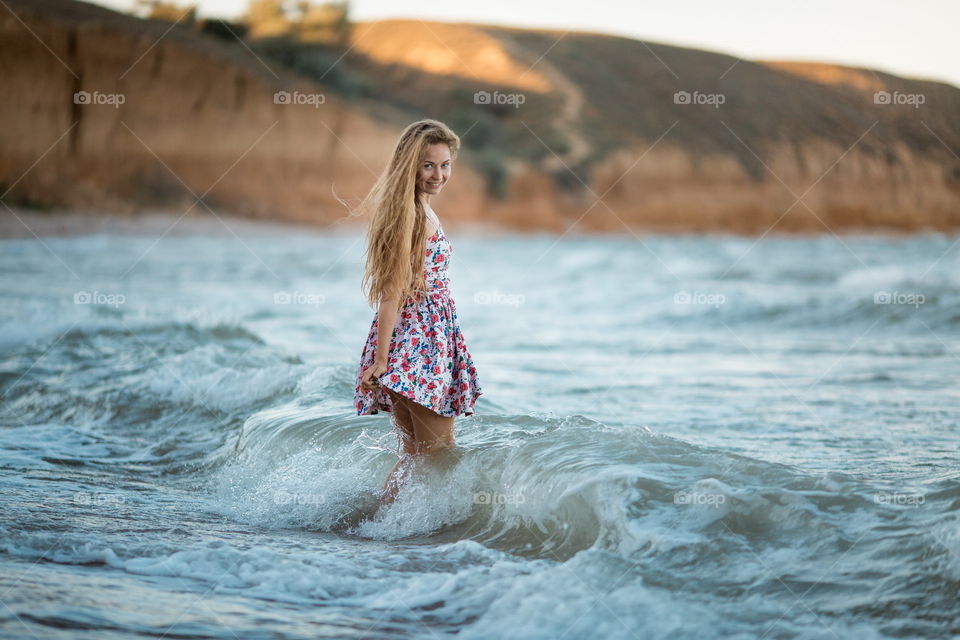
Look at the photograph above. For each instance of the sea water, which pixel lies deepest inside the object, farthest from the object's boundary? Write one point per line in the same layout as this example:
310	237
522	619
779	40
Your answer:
679	437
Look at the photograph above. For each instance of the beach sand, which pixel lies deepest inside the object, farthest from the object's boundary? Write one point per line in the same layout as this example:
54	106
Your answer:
28	223
18	222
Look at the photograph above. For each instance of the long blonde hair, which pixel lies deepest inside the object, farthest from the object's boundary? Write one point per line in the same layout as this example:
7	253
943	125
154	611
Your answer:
397	233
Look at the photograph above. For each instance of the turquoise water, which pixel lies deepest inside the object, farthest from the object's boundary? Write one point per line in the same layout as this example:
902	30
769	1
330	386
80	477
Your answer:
680	437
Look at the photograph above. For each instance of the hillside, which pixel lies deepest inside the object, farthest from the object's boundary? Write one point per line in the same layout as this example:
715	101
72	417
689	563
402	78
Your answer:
799	145
609	109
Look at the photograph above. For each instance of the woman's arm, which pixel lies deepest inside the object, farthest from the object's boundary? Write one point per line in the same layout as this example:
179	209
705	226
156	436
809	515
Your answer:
387	312
386	319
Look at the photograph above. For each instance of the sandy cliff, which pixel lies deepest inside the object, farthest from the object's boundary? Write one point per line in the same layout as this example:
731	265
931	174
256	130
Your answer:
196	118
799	146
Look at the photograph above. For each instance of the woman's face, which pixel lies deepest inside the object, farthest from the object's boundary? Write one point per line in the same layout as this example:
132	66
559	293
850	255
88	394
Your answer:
435	169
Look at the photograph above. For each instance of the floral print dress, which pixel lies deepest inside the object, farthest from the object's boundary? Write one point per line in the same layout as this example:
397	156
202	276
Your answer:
429	361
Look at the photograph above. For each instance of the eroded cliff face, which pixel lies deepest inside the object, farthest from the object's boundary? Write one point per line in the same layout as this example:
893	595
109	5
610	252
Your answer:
172	117
816	186
665	189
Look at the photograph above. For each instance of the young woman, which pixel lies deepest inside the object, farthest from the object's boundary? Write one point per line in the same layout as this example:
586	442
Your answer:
415	362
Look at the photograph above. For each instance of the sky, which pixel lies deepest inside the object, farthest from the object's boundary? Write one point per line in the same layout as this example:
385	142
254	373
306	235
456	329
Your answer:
905	38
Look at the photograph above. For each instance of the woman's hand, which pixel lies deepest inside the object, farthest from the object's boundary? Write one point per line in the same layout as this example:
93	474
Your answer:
368	379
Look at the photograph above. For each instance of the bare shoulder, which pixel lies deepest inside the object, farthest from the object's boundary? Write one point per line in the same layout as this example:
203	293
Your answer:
433	223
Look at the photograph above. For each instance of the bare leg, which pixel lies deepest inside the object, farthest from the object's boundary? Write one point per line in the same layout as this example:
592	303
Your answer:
403	421
423	432
432	431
